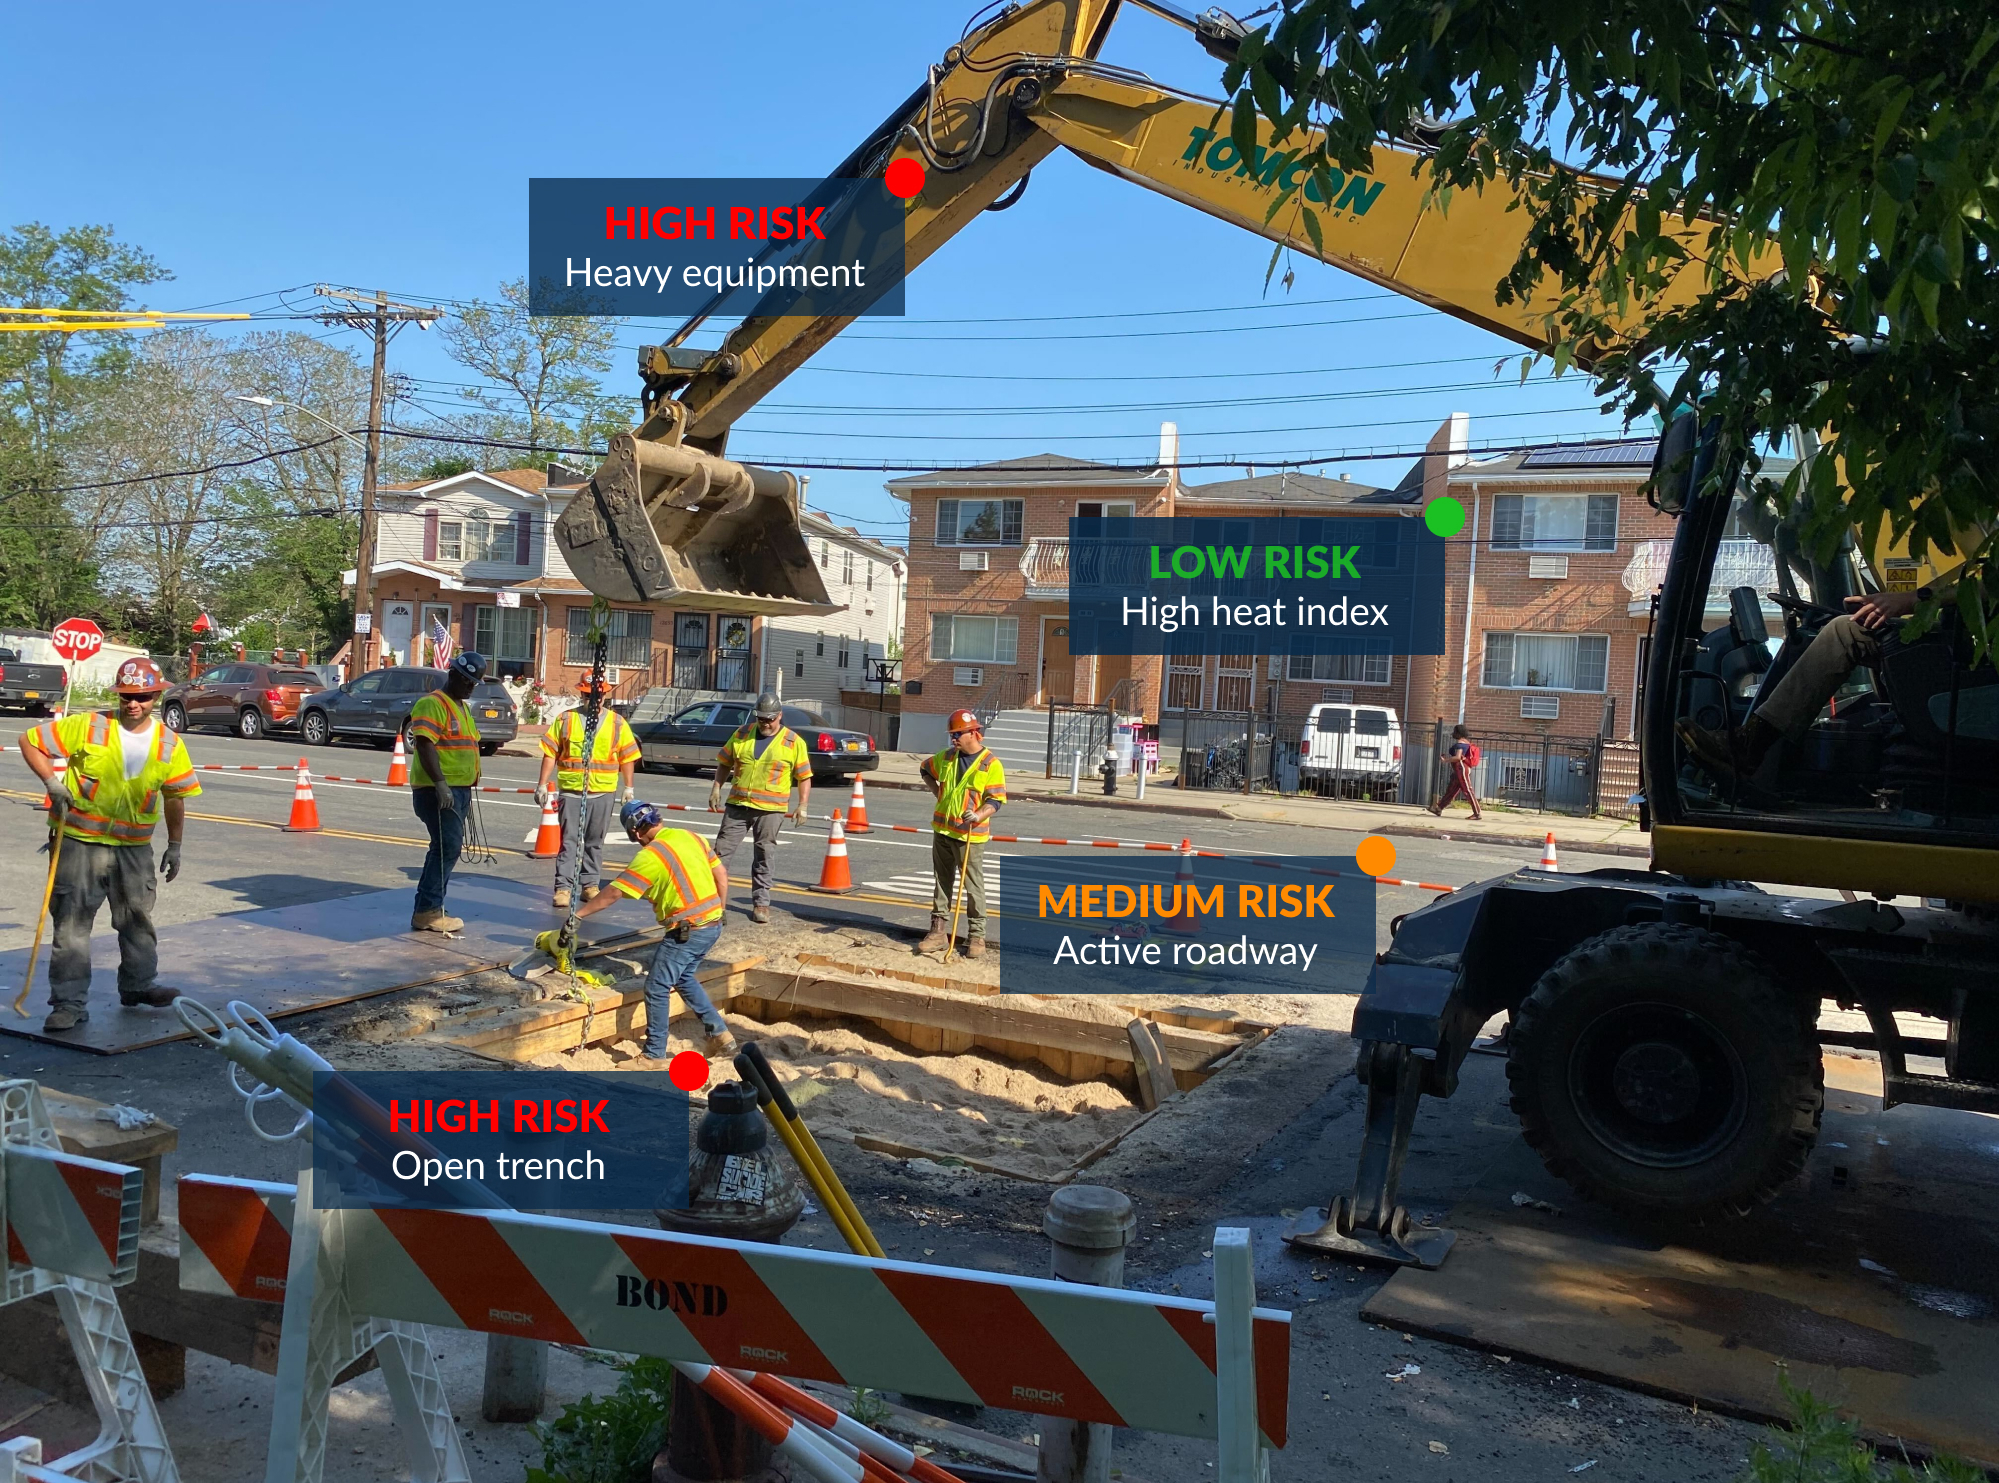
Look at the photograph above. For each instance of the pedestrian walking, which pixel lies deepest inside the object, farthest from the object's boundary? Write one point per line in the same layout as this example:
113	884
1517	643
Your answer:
1461	756
586	790
688	889
762	762
443	769
124	774
970	787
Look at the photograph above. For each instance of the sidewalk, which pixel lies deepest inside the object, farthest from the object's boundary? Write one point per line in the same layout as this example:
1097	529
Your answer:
1410	821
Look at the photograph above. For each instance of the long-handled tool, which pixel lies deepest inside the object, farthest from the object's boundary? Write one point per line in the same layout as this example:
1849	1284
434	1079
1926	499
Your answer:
48	895
958	887
754	1067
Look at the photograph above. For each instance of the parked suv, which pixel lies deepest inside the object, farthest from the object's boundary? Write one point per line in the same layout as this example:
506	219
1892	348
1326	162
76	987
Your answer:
1360	744
248	699
376	706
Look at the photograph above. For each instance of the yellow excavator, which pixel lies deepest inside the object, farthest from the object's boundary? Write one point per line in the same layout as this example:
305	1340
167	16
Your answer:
1664	1044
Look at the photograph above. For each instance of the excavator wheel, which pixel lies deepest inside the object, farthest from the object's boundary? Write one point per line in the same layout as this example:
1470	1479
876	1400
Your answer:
1663	1071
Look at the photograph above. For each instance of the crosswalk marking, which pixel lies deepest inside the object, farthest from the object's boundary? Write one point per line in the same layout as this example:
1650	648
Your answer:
905	885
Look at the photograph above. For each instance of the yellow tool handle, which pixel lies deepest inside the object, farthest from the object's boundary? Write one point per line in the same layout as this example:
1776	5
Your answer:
48	895
870	1247
754	1067
834	1209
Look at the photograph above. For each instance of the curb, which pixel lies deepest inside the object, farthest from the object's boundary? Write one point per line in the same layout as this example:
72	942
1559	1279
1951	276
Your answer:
1188	811
1605	847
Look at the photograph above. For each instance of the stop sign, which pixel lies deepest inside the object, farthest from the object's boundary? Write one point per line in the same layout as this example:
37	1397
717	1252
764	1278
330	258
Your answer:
77	639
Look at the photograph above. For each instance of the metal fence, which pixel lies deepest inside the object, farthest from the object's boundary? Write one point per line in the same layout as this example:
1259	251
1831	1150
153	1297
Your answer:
1073	729
1581	775
1230	750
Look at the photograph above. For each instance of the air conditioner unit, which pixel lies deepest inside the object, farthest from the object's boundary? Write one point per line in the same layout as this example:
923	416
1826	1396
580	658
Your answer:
1343	697
1556	567
1540	707
968	677
972	561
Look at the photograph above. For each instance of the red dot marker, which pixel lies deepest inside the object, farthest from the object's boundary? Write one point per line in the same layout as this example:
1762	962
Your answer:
904	178
688	1071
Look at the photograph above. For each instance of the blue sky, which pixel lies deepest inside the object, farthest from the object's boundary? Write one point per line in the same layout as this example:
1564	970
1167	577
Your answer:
259	149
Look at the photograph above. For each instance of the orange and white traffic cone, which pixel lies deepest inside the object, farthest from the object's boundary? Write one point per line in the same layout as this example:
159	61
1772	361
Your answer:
1548	859
399	765
1184	921
62	768
305	812
548	838
835	879
857	811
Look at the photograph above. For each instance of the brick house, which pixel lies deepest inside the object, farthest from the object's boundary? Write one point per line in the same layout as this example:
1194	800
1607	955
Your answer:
822	658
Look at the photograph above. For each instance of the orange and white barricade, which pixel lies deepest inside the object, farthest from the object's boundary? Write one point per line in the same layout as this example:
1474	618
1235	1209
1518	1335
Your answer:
72	1231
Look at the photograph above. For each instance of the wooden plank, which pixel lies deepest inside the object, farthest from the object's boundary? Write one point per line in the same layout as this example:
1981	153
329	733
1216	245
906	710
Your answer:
1156	1086
80	1130
557	1024
928	980
910	1151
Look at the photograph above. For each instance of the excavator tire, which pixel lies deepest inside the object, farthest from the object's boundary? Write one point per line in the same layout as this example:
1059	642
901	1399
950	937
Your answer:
1665	1072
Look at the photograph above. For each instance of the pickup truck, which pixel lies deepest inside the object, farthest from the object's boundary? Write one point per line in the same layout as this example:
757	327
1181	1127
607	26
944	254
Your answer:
34	688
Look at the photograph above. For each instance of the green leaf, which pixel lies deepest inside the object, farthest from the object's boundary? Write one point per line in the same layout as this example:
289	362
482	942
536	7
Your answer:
1311	220
1242	126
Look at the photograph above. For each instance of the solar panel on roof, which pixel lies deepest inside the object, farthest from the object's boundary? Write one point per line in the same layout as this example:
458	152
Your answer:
1636	453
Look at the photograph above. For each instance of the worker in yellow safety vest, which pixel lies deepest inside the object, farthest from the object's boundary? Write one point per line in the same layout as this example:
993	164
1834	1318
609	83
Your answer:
970	787
585	789
121	778
687	887
761	763
443	772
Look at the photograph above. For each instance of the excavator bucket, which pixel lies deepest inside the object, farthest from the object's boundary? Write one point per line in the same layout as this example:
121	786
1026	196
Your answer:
660	522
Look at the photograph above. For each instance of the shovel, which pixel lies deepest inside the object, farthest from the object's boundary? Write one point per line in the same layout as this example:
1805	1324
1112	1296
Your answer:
48	894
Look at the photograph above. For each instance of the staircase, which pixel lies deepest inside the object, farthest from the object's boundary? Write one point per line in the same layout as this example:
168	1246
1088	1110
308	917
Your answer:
1020	740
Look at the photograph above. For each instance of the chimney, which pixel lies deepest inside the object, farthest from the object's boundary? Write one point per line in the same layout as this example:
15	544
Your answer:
1169	445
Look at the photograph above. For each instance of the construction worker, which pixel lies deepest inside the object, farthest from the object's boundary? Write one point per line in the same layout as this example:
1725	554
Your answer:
688	889
970	787
584	788
762	762
122	779
442	772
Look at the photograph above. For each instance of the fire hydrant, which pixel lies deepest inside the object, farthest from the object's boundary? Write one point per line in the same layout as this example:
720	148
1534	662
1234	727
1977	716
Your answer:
1109	770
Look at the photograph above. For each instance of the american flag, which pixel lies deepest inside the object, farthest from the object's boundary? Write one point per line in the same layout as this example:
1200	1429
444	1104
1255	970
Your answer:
440	641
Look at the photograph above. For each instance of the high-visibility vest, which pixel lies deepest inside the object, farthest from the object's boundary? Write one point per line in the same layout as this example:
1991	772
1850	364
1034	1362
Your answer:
676	874
448	723
106	807
981	781
765	782
615	748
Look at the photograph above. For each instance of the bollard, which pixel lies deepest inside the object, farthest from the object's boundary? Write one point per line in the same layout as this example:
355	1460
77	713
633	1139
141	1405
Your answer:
1087	1226
1075	773
1141	778
516	1378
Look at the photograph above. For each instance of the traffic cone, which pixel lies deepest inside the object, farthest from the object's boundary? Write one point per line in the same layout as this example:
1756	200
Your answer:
835	879
857	811
1548	860
548	838
62	768
1186	922
399	765
305	812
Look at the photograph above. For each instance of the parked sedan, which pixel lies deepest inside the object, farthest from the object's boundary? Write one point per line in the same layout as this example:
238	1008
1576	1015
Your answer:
248	699
376	707
688	742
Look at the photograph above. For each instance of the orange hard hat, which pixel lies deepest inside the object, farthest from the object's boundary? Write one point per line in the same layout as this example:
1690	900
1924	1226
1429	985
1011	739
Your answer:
139	677
591	685
963	721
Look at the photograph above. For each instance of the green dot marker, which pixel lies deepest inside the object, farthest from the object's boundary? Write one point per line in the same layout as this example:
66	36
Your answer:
1444	516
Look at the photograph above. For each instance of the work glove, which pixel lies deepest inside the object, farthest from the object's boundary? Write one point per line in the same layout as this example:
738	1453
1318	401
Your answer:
715	799
541	797
170	861
447	801
58	802
565	940
629	794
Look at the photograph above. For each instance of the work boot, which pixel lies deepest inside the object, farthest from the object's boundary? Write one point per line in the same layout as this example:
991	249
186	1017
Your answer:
975	947
940	933
760	913
561	899
590	893
435	921
65	1017
719	1043
157	996
1729	754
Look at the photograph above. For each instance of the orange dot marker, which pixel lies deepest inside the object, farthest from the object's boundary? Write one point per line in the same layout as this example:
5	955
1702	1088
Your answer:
1375	855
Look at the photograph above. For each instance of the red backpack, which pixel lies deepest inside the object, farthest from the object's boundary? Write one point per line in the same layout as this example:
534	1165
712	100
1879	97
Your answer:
1471	754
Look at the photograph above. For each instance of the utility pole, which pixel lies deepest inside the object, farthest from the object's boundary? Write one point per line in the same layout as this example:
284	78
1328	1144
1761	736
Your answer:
381	319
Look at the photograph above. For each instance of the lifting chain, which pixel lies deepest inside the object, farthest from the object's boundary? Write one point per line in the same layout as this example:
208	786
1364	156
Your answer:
599	636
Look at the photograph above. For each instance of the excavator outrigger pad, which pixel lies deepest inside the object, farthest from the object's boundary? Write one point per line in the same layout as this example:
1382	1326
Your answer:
661	522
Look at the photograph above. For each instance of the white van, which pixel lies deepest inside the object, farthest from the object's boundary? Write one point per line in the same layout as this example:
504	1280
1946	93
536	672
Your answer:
1360	742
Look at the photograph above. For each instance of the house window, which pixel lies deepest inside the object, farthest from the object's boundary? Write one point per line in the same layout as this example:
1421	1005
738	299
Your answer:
450	538
974	640
819	648
504	633
979	522
871	576
1183	682
1102	510
628	636
1554	522
1354	669
847	567
825	555
846	654
798	666
479	539
1545	661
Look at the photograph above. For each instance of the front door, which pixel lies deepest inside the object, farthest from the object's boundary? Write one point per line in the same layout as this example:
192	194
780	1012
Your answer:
398	620
1058	670
690	651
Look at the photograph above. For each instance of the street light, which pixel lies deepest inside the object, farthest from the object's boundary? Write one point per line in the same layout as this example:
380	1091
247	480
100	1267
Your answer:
268	402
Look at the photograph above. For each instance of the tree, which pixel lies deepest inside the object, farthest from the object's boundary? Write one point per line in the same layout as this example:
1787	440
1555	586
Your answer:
1854	145
543	368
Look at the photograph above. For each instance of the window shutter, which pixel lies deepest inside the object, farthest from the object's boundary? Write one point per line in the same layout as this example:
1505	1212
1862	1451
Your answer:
1506	523
947	523
1601	532
1498	660
430	535
523	538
